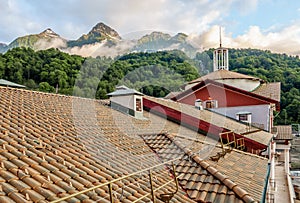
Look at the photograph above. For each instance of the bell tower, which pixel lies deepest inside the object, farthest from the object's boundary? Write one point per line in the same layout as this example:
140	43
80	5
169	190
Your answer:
221	57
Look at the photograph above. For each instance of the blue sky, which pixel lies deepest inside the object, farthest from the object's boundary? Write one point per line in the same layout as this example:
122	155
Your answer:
266	24
269	15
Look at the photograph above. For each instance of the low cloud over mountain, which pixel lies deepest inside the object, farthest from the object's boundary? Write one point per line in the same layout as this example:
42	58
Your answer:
103	40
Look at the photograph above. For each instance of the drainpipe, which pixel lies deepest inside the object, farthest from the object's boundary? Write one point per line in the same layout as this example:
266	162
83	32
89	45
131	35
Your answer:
287	161
272	155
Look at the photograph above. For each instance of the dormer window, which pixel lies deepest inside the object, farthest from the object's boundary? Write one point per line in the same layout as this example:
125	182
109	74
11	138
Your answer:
211	104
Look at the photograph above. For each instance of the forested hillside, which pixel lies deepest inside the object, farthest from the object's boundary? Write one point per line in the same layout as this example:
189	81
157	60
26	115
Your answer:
152	73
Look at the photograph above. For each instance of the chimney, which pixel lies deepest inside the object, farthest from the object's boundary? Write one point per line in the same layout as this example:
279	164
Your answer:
198	104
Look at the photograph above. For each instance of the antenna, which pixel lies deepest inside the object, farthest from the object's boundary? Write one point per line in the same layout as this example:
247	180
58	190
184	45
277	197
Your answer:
220	32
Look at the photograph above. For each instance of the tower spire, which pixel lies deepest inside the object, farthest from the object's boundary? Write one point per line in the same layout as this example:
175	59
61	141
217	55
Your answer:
221	56
220	32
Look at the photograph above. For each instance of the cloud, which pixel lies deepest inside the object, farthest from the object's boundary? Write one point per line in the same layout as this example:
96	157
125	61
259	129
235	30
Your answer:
102	49
285	40
14	20
72	18
42	44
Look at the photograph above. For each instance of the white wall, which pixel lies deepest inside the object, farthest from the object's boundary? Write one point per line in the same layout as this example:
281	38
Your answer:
260	113
124	100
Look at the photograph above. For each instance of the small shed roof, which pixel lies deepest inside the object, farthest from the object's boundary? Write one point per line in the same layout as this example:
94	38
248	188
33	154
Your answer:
243	112
284	132
10	84
123	90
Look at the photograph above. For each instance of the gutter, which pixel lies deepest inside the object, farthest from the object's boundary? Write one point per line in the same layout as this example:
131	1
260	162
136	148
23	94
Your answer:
291	188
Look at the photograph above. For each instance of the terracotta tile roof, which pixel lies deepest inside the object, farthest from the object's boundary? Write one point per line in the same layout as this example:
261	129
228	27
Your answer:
218	120
269	90
284	132
52	146
236	177
258	135
223	74
247	170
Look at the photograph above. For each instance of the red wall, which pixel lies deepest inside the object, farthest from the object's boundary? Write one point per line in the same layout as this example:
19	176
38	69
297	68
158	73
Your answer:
225	97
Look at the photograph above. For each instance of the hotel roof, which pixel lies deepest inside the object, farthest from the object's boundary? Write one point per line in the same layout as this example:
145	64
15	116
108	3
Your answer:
52	146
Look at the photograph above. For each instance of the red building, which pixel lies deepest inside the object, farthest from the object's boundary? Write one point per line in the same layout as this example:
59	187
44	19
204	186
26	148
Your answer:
242	97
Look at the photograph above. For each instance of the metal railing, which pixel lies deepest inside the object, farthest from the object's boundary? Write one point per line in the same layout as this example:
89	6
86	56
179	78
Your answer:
109	183
238	143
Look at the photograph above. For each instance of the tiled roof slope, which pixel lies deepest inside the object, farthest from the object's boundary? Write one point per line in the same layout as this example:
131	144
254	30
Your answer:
237	177
269	90
247	170
218	120
52	146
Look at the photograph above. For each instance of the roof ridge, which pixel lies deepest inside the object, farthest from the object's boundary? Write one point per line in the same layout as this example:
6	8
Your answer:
47	93
240	192
220	72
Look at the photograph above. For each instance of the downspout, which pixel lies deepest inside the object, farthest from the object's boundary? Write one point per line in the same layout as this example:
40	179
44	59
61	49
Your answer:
263	199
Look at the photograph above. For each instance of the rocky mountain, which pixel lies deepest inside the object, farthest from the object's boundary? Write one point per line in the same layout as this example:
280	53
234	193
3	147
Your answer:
153	41
43	40
3	47
105	40
162	41
99	33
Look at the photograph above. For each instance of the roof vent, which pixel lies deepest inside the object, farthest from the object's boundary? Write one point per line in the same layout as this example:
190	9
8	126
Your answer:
128	101
198	104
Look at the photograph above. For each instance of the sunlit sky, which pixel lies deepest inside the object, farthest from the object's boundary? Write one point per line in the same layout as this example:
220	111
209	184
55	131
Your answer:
265	24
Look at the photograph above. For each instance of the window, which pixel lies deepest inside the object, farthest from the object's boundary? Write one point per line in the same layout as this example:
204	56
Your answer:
138	104
244	117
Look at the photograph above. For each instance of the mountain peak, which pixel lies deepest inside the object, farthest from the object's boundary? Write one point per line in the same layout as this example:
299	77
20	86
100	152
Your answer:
154	36
105	30
99	33
49	33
